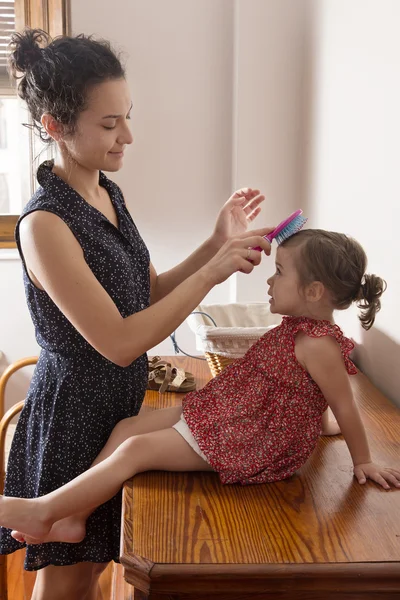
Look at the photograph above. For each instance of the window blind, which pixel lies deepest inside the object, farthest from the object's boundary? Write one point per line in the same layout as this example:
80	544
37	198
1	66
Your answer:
7	27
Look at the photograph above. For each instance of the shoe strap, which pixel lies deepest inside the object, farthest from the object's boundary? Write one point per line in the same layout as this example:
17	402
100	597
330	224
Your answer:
179	377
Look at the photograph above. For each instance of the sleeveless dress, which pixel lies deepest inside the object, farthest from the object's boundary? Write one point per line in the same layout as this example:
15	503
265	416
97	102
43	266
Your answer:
77	396
261	418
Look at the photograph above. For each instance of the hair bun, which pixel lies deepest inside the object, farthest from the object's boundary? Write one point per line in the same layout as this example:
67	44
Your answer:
25	49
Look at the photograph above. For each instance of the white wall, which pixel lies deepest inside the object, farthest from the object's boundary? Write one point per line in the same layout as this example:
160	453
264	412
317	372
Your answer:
271	65
355	160
178	172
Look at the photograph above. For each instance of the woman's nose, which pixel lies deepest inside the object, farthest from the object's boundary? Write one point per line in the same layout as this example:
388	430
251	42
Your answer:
125	137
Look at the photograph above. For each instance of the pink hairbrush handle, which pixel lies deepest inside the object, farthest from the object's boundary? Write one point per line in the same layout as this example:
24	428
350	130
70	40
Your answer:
286	223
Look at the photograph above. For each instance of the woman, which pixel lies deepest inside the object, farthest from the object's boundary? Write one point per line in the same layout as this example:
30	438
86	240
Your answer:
96	301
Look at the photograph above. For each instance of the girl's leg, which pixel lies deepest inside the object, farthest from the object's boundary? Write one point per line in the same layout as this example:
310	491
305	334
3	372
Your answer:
67	583
160	450
73	529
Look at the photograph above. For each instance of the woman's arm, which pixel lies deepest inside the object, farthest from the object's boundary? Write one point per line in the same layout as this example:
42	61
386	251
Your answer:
163	284
323	360
55	260
233	219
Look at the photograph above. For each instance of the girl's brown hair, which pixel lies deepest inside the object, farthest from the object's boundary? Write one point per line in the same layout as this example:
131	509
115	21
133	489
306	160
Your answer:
339	262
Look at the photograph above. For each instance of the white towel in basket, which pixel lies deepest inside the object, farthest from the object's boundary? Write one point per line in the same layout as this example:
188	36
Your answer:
239	326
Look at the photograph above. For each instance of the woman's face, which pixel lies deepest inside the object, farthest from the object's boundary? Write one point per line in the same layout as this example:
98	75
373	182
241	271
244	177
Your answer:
102	130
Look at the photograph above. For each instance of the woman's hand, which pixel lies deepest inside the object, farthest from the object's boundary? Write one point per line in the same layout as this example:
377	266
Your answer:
237	255
233	219
381	475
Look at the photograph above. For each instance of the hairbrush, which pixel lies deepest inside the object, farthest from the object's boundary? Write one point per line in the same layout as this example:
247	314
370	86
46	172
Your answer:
288	227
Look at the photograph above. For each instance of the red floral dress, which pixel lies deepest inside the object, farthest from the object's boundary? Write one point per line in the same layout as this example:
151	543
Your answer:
260	419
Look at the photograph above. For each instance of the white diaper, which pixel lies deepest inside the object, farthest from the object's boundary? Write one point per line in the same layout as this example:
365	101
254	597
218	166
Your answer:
183	429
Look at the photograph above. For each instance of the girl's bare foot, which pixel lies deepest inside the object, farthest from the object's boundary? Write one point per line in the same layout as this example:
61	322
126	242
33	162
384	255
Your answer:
71	530
27	515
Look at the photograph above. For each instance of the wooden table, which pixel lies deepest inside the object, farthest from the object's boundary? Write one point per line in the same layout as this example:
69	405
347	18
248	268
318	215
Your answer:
319	535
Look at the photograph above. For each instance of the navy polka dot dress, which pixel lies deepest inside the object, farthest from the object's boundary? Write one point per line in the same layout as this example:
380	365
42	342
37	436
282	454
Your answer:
76	395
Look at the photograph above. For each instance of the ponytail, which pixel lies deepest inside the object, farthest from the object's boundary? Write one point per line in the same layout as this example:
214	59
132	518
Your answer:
368	299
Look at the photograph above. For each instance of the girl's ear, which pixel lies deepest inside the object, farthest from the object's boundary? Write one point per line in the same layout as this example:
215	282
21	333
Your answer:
315	291
53	127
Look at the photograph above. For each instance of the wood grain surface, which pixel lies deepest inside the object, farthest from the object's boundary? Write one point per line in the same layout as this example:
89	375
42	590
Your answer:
318	524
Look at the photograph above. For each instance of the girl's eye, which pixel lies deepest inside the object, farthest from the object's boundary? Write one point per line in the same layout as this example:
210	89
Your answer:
278	271
128	117
105	127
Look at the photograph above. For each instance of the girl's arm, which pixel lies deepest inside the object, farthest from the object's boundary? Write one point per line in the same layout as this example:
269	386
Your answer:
323	360
56	263
233	219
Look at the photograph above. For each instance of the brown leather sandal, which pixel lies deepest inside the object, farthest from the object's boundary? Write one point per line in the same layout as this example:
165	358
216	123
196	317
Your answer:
165	378
156	362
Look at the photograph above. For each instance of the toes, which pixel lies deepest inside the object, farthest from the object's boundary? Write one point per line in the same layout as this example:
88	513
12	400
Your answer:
24	539
17	535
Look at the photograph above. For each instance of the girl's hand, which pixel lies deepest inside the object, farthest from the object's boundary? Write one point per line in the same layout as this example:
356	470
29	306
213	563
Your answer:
234	217
380	475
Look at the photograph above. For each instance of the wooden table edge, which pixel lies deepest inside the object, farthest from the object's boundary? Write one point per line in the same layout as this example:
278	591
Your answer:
343	577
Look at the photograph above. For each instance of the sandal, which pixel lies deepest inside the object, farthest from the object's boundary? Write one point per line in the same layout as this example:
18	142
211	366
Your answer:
156	362
165	378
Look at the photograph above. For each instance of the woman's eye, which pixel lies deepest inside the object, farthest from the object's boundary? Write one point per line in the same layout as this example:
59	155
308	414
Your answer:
105	127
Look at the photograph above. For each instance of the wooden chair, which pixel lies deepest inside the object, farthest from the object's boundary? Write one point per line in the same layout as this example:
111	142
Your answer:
4	423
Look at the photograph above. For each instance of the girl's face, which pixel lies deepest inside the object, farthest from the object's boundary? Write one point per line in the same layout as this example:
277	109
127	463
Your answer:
102	129
284	286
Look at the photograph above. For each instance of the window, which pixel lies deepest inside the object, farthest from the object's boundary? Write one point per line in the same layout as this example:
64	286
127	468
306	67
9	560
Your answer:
18	145
7	26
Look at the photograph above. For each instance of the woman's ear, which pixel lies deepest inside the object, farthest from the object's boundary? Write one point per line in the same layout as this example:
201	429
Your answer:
52	127
315	291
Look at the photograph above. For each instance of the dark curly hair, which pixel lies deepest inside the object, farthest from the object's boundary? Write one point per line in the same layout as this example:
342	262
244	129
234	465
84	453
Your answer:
339	262
55	75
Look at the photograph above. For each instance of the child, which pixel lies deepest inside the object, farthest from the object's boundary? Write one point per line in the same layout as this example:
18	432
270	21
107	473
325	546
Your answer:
260	419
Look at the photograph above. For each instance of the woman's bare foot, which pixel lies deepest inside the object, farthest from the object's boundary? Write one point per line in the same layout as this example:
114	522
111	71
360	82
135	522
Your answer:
27	515
71	530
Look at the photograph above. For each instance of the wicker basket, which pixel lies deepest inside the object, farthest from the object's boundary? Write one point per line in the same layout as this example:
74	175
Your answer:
237	327
216	362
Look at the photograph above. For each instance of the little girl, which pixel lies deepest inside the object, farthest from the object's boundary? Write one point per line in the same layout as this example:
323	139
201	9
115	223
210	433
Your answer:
260	419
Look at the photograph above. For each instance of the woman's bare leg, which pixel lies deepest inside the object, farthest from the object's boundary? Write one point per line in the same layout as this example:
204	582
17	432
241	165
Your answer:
67	583
72	529
159	450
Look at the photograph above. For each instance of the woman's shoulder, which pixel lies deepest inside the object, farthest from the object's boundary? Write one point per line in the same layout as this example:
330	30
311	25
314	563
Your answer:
40	199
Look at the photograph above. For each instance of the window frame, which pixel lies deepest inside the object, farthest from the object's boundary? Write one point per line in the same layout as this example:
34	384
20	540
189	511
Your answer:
52	16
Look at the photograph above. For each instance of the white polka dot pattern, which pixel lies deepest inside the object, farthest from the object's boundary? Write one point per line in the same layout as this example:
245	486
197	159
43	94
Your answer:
77	396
